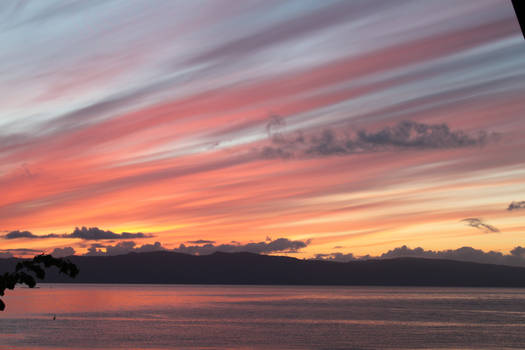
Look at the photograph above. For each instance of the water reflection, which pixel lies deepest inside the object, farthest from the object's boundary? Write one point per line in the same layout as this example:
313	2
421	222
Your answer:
260	317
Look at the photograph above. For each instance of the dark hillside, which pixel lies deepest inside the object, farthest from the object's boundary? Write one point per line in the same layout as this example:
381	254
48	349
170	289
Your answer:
247	268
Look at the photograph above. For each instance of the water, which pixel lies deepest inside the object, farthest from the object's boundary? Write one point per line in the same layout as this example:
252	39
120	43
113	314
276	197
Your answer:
261	317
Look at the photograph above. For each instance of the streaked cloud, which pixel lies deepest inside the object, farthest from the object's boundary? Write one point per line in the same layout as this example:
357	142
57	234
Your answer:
479	224
156	118
8	253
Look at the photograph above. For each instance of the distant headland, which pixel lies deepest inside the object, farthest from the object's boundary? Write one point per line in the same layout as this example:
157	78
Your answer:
249	268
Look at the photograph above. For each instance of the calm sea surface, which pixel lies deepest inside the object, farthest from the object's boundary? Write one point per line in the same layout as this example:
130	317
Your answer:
261	317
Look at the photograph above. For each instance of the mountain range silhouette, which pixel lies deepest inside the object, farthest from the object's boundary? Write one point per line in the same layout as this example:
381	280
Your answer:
248	268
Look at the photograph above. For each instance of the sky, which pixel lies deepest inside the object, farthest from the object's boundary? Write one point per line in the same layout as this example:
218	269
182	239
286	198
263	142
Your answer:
304	128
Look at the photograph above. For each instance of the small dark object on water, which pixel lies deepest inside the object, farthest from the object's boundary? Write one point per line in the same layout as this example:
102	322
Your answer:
54	317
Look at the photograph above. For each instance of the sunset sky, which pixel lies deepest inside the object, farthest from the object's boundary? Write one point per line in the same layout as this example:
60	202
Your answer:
339	126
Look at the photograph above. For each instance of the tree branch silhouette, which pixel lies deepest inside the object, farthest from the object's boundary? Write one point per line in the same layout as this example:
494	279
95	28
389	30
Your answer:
24	271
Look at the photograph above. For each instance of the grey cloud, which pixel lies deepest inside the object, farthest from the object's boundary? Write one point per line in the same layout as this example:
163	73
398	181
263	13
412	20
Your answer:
336	257
516	205
85	233
149	248
122	248
274	125
518	252
419	135
343	141
93	251
63	252
479	224
516	257
278	245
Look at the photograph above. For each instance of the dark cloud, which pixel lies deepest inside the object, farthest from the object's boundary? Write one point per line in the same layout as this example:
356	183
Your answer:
344	141
19	234
26	234
122	248
516	205
94	233
283	245
63	252
516	257
85	233
199	247
479	224
97	245
201	241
